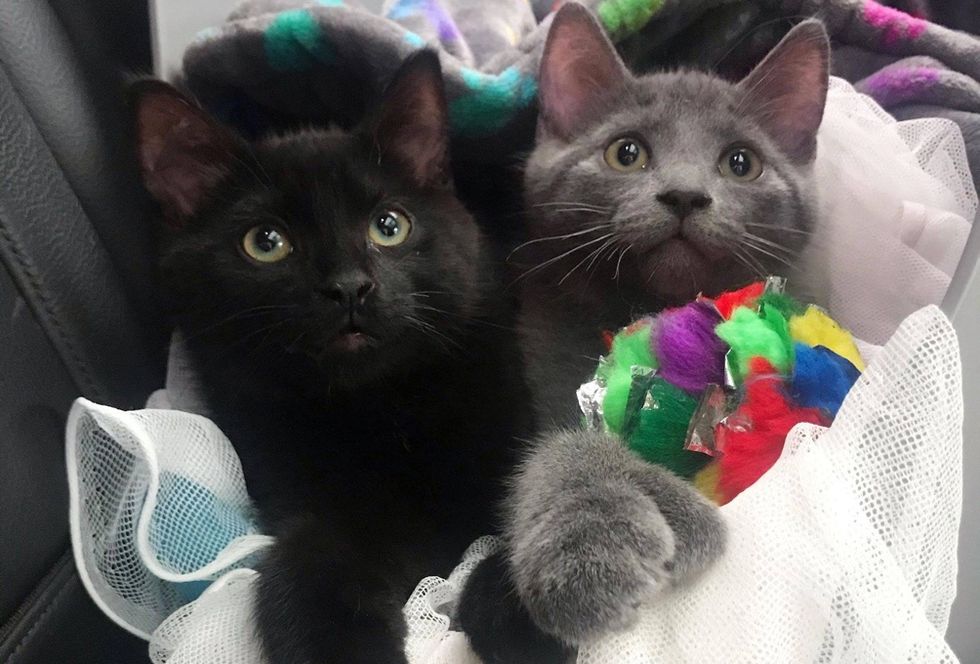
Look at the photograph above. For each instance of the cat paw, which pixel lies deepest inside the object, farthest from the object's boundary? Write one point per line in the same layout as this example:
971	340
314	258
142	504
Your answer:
315	604
589	542
699	531
497	624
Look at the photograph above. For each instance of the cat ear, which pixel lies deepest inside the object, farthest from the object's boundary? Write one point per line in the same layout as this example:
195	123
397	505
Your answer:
183	152
787	91
580	72
411	128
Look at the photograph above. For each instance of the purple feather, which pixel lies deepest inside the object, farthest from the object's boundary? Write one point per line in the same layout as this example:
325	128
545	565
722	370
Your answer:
690	353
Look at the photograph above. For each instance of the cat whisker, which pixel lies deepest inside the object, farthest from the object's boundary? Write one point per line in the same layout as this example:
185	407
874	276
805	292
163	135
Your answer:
297	339
560	210
612	245
779	229
769	243
555	259
750	262
432	331
575	204
594	254
653	272
766	252
464	318
244	313
567	236
267	329
429	293
620	261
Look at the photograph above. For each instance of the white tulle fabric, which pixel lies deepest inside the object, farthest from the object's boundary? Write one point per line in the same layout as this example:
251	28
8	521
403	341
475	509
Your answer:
897	203
844	552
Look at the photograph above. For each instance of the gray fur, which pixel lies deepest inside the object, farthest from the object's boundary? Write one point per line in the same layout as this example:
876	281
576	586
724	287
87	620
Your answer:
594	532
603	250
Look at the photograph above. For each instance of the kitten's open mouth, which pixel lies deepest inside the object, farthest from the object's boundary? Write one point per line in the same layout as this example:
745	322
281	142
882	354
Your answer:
351	339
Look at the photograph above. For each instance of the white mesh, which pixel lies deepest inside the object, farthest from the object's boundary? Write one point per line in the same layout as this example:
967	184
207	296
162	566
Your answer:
896	207
215	629
158	509
844	552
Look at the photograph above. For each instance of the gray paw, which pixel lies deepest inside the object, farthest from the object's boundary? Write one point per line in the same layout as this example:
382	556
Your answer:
589	540
699	531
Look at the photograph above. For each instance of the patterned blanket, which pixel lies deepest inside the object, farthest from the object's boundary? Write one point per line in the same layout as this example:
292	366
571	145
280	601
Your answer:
278	63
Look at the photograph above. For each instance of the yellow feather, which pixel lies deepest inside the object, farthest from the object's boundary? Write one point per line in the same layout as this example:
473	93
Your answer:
816	328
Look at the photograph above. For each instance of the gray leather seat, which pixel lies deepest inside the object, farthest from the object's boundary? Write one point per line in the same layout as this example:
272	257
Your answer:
76	312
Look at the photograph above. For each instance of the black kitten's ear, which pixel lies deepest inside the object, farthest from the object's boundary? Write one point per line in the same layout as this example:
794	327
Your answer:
580	72
787	91
183	152
411	129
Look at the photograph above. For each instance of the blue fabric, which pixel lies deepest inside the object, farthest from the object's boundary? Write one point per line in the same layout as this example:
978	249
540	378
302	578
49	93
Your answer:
190	526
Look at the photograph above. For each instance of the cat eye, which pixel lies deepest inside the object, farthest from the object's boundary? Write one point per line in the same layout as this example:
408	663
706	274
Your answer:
741	164
266	244
626	155
389	228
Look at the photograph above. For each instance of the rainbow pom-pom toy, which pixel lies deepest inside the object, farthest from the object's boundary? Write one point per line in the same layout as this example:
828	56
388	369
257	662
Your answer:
711	389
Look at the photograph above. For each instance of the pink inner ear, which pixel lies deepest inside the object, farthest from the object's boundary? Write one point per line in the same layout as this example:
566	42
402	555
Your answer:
580	70
183	153
413	127
788	90
420	142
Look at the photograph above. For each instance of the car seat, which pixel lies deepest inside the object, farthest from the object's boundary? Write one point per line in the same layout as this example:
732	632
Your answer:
76	315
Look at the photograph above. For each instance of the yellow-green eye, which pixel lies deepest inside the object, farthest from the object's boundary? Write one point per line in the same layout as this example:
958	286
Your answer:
389	228
266	244
741	164
626	155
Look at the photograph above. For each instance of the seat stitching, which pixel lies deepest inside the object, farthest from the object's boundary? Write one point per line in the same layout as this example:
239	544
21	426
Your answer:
36	289
37	622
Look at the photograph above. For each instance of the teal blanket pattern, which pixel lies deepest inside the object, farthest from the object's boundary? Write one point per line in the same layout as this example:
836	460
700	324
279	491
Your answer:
281	63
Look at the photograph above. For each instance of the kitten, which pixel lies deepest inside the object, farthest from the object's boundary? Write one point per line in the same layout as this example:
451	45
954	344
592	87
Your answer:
644	191
641	192
340	305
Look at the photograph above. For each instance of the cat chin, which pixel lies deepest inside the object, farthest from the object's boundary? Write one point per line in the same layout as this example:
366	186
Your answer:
679	270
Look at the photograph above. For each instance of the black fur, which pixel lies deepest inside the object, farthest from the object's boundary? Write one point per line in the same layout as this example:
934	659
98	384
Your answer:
497	623
373	466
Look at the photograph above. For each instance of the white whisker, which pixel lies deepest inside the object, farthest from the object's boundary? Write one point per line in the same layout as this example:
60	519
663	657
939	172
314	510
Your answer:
567	236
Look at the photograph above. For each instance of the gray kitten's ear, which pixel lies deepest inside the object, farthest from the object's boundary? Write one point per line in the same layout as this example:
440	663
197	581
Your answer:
580	72
411	129
183	152
787	91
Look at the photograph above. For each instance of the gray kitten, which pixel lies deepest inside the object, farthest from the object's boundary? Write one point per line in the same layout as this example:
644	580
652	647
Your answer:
644	191
641	192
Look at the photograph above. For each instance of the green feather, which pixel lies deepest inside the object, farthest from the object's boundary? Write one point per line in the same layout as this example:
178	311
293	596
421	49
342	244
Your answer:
661	430
624	17
618	384
785	304
750	335
632	347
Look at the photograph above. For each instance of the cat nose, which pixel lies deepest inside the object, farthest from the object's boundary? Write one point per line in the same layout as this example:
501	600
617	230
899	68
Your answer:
350	291
684	202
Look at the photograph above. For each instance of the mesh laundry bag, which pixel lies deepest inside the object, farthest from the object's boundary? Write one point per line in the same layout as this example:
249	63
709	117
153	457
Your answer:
158	509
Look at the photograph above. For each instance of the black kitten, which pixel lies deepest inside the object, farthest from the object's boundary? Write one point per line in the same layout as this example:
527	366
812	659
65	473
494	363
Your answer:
336	296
